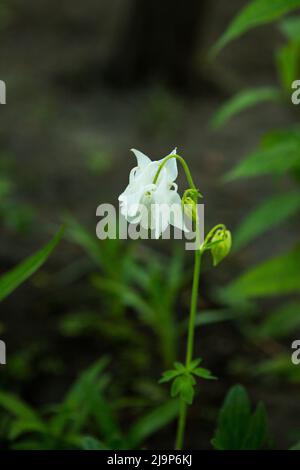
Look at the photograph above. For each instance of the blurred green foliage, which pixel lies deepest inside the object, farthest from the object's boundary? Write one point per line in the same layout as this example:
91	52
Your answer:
15	215
143	284
239	428
255	13
12	279
278	156
135	295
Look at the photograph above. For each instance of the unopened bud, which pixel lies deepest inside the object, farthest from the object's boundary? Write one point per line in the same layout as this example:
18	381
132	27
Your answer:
189	203
221	245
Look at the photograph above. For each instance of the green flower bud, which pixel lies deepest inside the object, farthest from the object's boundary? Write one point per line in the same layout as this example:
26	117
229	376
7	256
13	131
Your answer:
189	203
221	245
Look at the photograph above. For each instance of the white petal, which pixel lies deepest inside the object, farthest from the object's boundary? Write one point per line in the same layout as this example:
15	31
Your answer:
161	220
171	166
142	159
130	202
176	215
142	181
132	174
163	188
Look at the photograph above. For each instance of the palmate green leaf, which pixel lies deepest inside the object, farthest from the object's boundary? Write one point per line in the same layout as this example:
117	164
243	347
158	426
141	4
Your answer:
194	363
276	159
269	214
204	373
169	375
183	386
284	321
152	422
11	280
238	428
256	13
243	100
277	276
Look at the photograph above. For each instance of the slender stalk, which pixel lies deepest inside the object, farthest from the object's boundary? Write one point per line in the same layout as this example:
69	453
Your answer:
181	425
193	309
190	346
194	298
184	166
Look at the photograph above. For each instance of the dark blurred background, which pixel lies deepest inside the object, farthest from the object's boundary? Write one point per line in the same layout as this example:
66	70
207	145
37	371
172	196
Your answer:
87	81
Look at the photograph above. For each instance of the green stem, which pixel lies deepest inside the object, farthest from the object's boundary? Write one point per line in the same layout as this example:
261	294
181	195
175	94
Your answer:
194	298
181	425
184	166
190	341
193	309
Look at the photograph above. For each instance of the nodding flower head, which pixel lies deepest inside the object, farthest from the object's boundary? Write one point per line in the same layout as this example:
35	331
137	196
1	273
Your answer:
142	193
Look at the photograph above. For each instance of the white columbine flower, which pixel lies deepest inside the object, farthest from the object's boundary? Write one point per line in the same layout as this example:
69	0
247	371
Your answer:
154	206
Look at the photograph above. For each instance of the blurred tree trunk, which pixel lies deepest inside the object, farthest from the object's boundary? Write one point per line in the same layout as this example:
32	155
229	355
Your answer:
160	42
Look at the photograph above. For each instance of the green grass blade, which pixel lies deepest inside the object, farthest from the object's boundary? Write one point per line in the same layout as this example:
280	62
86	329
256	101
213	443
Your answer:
277	276
243	100
284	321
275	160
11	280
152	422
272	212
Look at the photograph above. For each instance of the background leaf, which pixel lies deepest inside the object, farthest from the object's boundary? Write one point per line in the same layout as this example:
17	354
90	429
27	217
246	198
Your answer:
276	159
287	58
152	422
238	429
279	367
281	322
277	276
290	27
17	407
269	214
243	100
257	12
11	280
